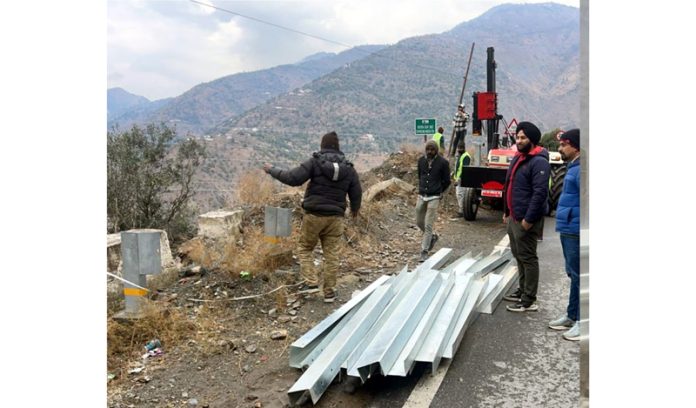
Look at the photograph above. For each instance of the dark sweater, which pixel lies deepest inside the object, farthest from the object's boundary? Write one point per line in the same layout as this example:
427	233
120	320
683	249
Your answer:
435	178
330	177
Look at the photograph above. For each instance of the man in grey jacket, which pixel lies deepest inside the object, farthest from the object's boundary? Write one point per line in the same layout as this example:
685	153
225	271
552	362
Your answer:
330	177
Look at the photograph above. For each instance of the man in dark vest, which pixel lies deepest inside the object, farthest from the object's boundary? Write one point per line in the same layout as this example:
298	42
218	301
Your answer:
330	178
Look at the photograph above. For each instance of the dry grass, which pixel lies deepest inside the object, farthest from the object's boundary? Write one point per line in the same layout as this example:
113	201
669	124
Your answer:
360	232
200	252
255	254
252	253
254	188
126	339
411	148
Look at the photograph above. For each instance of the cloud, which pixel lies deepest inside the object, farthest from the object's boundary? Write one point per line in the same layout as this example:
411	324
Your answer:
163	48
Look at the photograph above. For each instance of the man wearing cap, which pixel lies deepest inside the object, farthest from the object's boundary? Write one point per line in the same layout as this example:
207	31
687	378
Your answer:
525	199
330	177
433	179
568	225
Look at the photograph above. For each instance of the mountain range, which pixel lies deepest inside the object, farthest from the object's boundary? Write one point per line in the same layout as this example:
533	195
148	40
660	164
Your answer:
372	96
206	104
537	55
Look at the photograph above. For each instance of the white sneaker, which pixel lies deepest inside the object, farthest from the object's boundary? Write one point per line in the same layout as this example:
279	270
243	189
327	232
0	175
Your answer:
574	333
562	323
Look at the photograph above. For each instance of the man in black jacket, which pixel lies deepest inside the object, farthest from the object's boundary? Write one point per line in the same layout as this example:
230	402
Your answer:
330	177
433	179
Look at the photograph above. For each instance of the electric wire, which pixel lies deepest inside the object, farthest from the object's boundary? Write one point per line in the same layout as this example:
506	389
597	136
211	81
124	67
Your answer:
534	32
319	37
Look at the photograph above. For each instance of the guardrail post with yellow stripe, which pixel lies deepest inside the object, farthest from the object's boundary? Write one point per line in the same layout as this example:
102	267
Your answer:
140	251
277	223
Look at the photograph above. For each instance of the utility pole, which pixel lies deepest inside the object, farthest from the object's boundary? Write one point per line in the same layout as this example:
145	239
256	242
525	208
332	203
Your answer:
461	98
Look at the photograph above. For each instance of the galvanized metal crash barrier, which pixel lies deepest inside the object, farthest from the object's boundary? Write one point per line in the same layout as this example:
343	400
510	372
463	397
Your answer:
140	251
415	316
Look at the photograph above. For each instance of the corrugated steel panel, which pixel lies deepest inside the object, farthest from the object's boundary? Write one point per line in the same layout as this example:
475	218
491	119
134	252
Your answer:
388	342
406	359
415	316
490	263
492	298
402	283
467	316
445	322
301	347
321	373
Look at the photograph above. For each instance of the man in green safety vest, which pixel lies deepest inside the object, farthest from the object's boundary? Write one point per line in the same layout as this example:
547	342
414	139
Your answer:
462	159
439	139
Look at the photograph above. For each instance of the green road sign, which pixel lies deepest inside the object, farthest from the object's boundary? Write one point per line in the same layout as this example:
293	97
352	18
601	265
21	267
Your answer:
425	126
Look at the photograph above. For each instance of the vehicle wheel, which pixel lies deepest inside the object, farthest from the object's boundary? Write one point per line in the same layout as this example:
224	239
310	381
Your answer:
471	204
556	186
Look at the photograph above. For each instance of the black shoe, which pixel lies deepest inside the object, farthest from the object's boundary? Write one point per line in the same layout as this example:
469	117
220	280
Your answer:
521	307
433	240
307	289
515	296
460	214
329	295
423	256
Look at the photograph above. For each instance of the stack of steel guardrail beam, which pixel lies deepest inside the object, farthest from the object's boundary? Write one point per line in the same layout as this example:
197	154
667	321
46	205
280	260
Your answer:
414	316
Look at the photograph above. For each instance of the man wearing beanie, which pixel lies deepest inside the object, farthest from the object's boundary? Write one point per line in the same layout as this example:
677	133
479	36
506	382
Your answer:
525	199
568	225
433	179
330	177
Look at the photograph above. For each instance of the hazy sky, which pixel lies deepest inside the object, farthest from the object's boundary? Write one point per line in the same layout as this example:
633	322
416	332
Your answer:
162	48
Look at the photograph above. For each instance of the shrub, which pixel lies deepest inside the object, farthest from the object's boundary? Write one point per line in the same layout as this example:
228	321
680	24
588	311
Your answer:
149	179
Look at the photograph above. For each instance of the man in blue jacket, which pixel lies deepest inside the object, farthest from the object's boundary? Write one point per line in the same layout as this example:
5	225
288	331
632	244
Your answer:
525	199
331	177
568	225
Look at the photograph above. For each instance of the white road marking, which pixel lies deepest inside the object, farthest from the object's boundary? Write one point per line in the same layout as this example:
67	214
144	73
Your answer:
424	392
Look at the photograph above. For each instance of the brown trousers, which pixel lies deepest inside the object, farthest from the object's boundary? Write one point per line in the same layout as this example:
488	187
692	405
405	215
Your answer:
330	231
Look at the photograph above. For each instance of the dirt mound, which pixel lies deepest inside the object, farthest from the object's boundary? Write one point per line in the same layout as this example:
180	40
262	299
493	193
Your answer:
402	165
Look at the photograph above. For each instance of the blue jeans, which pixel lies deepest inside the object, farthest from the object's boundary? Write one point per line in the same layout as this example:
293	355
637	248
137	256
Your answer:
571	253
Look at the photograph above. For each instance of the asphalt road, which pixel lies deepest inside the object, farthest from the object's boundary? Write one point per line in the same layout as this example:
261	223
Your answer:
506	359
